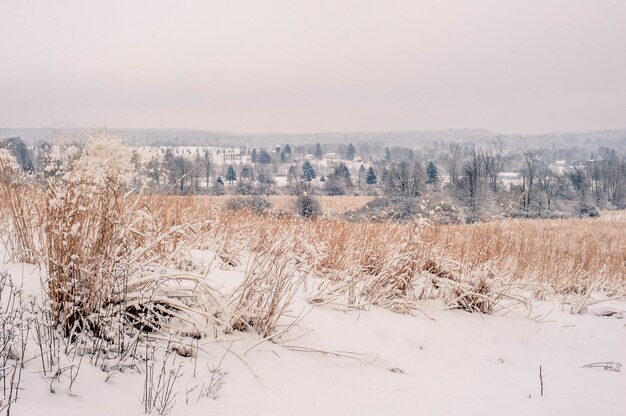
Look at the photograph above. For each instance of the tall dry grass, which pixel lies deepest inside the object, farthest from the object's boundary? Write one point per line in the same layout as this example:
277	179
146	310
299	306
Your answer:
112	248
556	252
568	255
363	264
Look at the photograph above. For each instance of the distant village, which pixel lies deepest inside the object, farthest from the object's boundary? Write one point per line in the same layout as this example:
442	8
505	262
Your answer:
473	181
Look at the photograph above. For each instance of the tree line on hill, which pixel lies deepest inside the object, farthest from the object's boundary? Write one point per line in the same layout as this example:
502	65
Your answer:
473	182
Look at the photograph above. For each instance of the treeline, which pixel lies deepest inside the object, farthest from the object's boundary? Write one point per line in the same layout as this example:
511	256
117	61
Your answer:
469	182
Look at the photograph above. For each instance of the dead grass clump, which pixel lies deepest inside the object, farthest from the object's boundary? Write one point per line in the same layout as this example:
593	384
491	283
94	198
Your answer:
393	286
473	296
272	281
110	260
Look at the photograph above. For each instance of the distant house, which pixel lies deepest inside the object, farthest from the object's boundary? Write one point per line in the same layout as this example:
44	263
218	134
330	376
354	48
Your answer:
508	176
558	167
332	156
509	179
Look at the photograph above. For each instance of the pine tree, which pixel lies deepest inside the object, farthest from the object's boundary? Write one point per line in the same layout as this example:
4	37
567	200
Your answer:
245	172
318	151
370	177
342	170
264	157
432	176
291	174
254	156
351	152
287	149
218	188
231	176
308	172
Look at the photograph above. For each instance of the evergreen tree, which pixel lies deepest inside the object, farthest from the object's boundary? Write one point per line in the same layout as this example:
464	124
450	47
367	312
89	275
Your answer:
341	170
245	172
218	188
264	157
370	177
287	149
361	174
291	174
254	156
432	176
351	152
319	155
282	157
308	172
231	176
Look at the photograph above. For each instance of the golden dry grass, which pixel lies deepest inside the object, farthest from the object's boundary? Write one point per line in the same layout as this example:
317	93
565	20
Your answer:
391	265
569	255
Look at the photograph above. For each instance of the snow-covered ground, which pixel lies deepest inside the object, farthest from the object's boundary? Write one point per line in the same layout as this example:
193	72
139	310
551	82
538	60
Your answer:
374	362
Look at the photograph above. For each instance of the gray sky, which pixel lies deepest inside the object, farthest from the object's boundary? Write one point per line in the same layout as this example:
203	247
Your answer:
312	66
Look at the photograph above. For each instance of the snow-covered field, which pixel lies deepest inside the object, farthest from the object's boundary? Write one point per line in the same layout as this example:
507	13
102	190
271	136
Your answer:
335	361
132	305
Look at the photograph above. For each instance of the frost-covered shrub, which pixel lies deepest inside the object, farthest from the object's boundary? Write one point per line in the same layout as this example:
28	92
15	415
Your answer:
308	206
103	156
396	208
245	188
257	203
588	210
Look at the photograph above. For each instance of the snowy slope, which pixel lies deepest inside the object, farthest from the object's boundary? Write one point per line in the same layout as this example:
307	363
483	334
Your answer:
375	362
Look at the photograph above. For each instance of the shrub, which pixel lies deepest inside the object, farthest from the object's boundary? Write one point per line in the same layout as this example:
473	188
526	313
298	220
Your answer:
588	210
397	208
308	206
257	203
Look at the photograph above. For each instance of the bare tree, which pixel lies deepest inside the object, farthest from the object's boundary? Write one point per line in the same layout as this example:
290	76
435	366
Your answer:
207	161
529	172
453	161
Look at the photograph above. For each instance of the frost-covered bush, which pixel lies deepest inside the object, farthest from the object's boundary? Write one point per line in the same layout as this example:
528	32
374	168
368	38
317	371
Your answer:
437	209
396	208
103	156
308	206
588	210
257	203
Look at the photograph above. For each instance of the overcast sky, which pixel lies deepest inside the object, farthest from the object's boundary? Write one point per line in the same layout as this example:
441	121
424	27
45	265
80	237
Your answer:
314	66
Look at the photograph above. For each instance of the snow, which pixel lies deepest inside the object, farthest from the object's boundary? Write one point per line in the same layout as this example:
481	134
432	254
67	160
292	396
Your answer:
373	362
